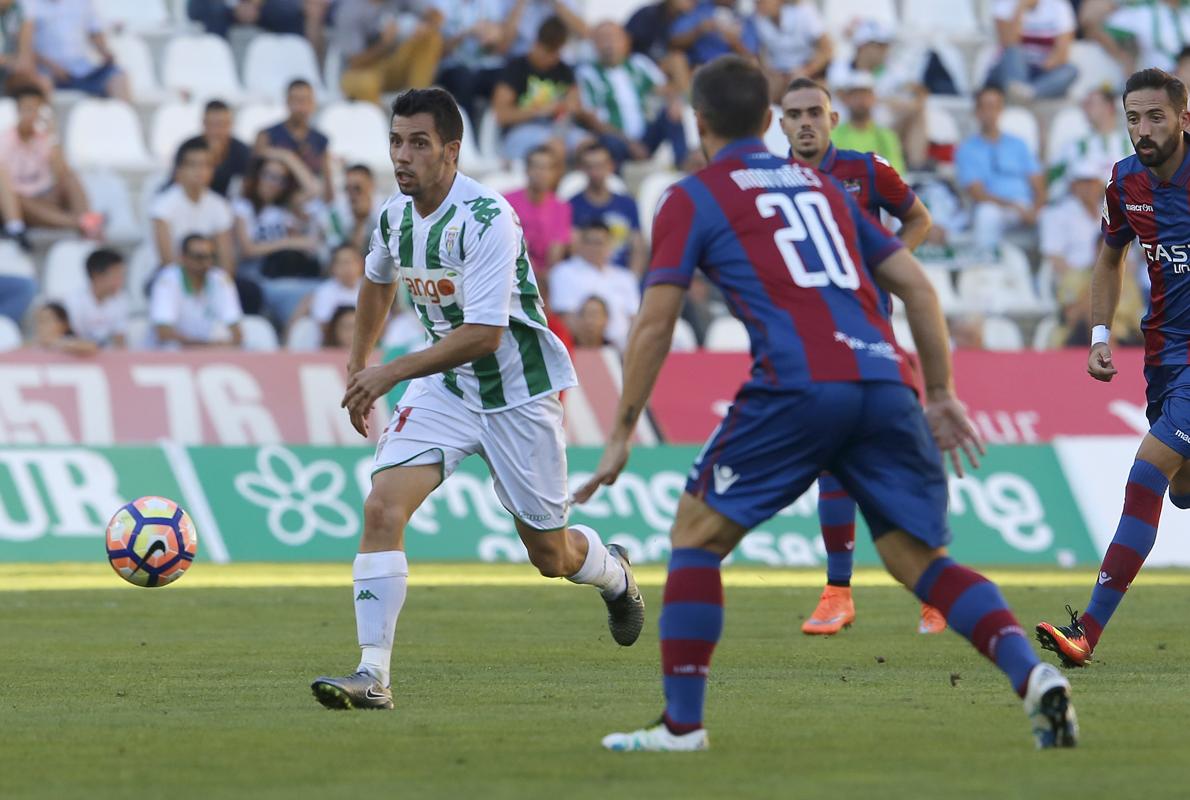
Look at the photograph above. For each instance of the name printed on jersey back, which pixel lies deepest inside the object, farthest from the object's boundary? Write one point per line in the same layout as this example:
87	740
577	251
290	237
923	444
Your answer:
790	176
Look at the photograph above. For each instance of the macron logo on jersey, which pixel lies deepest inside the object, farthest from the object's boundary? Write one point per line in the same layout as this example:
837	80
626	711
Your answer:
1139	207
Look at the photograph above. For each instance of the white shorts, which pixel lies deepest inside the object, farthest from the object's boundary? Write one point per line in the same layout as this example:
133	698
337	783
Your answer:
524	447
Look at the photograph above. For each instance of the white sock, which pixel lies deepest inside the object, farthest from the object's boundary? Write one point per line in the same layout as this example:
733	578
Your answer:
379	589
600	569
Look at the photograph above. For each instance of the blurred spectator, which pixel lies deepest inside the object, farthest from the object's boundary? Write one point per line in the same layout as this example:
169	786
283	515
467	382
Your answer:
193	302
297	134
999	173
229	155
188	207
860	132
10	211
714	28
387	45
588	326
16	293
476	41
1107	142
340	329
1069	229
525	18
339	290
793	42
52	331
1140	34
649	29
18	64
1035	37
48	190
545	219
66	34
591	273
618	211
619	89
98	312
298	17
352	222
898	85
536	99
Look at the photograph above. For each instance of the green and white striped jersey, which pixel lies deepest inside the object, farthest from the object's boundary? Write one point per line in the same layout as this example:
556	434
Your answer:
620	95
1096	148
466	263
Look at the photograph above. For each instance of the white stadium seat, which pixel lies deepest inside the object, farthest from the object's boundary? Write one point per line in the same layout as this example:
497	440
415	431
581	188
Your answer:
941	127
357	132
136	335
1001	333
1068	125
842	14
258	334
173	123
108	194
200	68
902	333
940	279
727	335
774	137
955	20
471	159
489	137
1020	122
649	194
134	57
135	15
684	339
141	267
105	133
13	261
66	267
10	335
273	60
251	119
1044	333
1095	68
304	335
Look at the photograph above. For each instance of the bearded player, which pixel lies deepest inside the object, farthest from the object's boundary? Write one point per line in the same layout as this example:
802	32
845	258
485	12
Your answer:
487	385
1147	199
807	120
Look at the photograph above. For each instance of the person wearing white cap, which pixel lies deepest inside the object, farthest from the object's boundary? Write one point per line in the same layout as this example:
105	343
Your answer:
793	42
1035	37
860	132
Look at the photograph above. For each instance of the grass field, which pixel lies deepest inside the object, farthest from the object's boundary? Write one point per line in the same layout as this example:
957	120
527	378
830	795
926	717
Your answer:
505	682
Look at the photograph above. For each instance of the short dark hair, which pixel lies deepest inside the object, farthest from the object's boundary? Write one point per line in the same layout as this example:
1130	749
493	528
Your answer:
731	94
59	311
797	84
553	33
346	246
27	90
101	261
439	104
541	150
595	224
328	336
190	146
594	147
298	83
1154	78
989	87
363	169
1183	54
215	105
191	239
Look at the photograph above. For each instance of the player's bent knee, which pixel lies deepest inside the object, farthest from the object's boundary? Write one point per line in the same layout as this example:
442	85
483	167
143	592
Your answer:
383	518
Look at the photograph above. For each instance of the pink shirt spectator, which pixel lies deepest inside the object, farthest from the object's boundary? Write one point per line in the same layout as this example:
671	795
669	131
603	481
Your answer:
28	162
544	225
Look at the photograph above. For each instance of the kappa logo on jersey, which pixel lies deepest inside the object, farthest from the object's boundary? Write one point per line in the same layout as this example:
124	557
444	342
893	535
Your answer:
725	477
484	210
1176	254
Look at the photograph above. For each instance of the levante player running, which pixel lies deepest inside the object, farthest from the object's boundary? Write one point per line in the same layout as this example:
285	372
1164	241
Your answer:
796	259
1148	199
487	385
807	120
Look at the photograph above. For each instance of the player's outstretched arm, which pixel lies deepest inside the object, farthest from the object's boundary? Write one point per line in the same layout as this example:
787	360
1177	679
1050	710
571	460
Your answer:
902	275
1107	278
648	345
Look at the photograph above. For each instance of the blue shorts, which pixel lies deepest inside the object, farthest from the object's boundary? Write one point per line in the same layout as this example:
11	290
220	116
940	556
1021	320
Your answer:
1168	395
872	437
93	82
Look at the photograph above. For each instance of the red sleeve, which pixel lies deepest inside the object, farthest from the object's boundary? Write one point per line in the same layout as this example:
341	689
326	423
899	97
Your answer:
892	193
676	240
1117	231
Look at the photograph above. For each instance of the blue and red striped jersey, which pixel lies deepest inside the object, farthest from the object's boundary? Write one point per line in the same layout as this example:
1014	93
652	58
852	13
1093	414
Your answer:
871	180
1139	206
792	253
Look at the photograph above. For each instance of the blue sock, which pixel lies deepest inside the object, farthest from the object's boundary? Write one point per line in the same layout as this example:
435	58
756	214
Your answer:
690	625
836	515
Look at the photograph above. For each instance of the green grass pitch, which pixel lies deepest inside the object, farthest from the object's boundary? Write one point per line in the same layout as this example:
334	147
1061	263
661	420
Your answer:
505	682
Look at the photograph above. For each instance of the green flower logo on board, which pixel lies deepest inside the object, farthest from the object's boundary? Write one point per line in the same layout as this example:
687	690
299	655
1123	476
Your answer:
300	500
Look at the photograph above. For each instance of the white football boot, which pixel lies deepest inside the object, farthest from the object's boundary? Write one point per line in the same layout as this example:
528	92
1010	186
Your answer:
1047	703
657	739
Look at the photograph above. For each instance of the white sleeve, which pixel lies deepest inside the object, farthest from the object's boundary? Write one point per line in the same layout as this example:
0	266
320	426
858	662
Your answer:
221	214
162	206
1129	21
650	68
567	289
811	25
321	303
1003	9
165	301
379	266
1066	23
230	311
119	315
490	269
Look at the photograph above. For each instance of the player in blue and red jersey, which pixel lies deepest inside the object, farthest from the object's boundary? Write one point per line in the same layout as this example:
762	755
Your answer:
799	264
807	120
1148	199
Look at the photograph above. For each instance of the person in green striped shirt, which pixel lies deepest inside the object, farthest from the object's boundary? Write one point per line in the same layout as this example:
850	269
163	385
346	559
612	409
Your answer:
1106	142
488	384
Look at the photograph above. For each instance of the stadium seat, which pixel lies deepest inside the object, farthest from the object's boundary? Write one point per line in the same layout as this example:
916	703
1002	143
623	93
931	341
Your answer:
304	335
136	336
774	137
998	289
358	132
943	17
1068	124
649	194
941	126
1095	68
65	267
505	181
253	118
1002	334
1044	333
727	335
106	133
948	298
108	194
1020	122
596	11
489	138
955	60
10	335
141	16
472	161
840	15
684	338
173	123
574	182
201	67
273	60
13	261
259	334
981	65
134	57
141	266
1045	284
902	333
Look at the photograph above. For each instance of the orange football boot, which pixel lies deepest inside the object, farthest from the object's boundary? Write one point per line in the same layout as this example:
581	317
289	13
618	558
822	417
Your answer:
931	621
1068	641
835	611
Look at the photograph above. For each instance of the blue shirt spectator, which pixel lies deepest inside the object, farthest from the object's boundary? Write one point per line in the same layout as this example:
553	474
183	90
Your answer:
713	29
619	212
1003	165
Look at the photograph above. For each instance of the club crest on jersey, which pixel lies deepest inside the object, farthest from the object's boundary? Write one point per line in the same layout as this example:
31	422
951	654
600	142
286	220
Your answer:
853	185
452	236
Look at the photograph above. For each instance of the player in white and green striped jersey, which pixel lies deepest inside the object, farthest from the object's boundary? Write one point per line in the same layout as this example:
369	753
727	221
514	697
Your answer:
488	384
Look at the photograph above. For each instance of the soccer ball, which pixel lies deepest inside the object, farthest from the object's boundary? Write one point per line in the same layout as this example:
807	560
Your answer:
151	542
